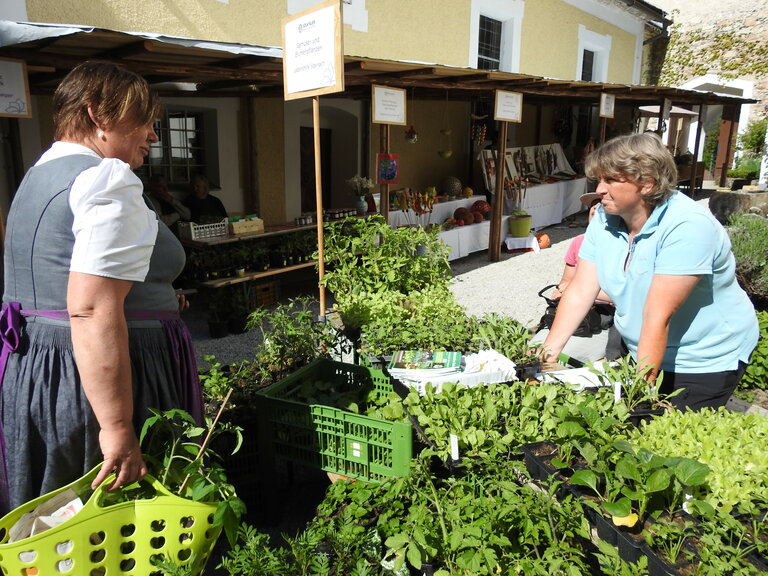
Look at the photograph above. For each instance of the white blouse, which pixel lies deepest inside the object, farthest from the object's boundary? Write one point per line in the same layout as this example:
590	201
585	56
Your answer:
114	229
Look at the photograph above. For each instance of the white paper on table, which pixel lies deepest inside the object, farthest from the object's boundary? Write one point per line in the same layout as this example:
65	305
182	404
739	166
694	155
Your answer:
580	377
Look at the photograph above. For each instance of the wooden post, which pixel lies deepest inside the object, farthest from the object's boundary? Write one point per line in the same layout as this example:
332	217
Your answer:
603	125
319	202
383	188
728	125
494	240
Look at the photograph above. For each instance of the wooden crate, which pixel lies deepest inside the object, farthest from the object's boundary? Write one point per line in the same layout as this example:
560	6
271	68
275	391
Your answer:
254	226
266	293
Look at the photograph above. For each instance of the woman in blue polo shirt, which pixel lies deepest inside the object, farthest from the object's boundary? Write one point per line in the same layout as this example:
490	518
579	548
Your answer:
667	265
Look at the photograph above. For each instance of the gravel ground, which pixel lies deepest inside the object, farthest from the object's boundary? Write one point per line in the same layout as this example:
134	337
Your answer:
509	287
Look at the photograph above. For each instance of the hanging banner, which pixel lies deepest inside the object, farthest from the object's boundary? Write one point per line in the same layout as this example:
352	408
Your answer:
607	105
313	53
509	106
14	89
388	105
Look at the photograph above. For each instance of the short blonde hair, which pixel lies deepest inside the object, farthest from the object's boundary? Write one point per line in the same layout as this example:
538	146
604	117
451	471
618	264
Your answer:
115	95
638	158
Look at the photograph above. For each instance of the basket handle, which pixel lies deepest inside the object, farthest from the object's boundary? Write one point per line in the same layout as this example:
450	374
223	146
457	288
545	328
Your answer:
97	497
549	301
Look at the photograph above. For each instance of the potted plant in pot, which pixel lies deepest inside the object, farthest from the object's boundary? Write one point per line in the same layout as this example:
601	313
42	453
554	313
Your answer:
519	224
510	338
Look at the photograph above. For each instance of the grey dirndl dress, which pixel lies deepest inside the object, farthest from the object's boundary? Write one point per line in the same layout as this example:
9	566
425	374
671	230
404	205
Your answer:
50	432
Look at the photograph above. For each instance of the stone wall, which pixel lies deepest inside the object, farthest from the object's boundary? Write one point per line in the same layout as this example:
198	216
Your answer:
724	37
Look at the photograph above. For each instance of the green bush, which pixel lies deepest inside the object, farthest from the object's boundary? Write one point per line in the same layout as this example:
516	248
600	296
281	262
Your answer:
749	239
756	375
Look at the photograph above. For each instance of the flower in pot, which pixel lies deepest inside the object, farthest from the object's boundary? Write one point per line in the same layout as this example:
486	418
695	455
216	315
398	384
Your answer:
361	186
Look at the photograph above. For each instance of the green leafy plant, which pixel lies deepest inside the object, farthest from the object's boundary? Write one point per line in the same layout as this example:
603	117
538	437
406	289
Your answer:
723	440
505	335
339	547
756	375
641	482
426	319
173	447
291	337
749	237
484	522
668	536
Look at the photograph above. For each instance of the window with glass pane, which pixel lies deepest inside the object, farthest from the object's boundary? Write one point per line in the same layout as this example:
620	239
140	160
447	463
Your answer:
489	44
587	65
180	153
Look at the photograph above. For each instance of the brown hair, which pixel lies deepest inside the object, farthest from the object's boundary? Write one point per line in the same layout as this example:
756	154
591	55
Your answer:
115	95
638	158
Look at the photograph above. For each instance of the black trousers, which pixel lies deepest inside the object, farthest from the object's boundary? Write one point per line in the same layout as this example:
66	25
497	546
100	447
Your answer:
712	389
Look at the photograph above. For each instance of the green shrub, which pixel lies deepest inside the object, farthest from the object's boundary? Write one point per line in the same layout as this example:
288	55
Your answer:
756	375
749	239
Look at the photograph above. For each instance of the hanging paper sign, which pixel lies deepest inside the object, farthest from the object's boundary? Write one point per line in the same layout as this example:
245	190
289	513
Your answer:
313	54
509	106
14	89
388	105
607	105
387	166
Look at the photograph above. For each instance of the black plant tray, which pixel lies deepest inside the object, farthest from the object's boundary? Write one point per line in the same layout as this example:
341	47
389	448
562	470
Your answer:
537	456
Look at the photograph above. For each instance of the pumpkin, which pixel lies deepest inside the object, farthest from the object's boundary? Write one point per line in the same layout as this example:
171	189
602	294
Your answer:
478	216
481	206
544	240
463	214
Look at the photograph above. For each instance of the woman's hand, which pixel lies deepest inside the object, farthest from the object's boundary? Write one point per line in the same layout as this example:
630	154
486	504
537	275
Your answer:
122	455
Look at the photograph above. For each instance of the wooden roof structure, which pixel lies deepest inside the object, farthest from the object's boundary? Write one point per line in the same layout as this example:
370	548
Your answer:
50	51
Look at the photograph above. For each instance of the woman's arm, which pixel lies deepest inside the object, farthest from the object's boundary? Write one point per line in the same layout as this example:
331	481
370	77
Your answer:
573	307
100	342
666	294
568	272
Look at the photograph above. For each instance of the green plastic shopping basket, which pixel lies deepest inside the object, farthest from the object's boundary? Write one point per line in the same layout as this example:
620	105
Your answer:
118	539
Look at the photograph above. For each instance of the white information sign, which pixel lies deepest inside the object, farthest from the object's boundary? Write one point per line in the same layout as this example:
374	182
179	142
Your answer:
388	105
14	89
312	52
607	105
509	106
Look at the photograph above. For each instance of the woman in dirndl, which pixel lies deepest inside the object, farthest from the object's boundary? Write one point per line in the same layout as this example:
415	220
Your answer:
92	336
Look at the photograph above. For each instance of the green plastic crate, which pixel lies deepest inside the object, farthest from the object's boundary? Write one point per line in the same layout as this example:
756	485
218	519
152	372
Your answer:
329	438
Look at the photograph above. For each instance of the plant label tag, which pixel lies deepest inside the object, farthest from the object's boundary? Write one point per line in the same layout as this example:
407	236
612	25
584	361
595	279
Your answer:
616	392
454	447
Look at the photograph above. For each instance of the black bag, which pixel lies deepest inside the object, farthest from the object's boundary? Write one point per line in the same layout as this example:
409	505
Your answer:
599	317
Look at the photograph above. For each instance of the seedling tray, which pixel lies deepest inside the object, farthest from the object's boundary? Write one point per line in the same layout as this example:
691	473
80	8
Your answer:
330	438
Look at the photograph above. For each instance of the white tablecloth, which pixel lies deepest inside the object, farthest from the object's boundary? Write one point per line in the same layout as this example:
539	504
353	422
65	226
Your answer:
514	243
548	204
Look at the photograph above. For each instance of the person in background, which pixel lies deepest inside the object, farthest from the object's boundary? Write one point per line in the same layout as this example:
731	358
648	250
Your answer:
204	207
667	265
166	205
90	320
605	344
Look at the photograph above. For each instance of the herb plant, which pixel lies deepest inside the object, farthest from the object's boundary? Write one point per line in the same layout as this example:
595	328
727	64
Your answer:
171	442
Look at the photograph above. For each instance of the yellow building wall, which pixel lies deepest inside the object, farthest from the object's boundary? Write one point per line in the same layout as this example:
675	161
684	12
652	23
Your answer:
270	159
397	29
550	41
420	164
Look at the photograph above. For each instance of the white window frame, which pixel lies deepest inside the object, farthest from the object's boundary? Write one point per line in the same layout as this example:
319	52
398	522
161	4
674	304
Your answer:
600	44
510	14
